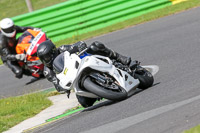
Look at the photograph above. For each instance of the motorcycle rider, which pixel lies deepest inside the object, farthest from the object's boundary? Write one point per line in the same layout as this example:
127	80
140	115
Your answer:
8	43
47	52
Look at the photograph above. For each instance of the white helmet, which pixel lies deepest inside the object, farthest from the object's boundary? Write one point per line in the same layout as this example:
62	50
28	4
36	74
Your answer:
7	27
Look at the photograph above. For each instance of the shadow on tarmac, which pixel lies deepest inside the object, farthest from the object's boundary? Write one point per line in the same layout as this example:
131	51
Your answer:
109	102
33	80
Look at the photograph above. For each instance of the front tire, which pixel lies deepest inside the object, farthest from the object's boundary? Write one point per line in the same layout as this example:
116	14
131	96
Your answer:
86	101
104	92
145	77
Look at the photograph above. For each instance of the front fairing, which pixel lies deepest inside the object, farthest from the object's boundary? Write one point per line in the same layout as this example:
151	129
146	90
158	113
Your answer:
70	70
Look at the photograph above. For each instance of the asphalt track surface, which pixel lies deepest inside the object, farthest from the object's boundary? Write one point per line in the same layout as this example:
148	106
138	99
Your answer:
172	105
11	86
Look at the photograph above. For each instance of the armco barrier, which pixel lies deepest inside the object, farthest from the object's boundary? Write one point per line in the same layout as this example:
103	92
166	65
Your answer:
75	17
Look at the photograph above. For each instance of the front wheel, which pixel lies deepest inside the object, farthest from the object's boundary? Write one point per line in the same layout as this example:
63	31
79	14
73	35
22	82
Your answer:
112	92
86	101
145	77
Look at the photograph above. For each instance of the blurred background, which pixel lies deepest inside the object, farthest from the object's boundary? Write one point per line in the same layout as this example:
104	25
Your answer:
11	8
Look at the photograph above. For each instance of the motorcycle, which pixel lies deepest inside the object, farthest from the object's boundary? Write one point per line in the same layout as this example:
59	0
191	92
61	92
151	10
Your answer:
95	77
27	44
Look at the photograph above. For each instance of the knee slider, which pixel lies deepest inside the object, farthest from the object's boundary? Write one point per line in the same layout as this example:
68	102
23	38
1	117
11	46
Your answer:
18	73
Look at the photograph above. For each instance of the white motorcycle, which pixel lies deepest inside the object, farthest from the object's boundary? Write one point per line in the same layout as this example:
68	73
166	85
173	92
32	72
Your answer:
94	77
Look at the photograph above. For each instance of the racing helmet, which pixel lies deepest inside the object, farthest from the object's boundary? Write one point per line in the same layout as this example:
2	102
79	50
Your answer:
47	52
7	27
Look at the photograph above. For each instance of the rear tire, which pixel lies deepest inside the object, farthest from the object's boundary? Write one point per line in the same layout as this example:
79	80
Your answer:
86	101
145	77
104	92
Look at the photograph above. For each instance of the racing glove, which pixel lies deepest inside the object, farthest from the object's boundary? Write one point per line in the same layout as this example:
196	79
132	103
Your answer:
81	46
37	29
78	47
20	57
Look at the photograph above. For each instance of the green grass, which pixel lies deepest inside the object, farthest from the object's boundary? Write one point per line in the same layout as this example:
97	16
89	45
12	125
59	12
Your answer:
13	110
193	130
11	8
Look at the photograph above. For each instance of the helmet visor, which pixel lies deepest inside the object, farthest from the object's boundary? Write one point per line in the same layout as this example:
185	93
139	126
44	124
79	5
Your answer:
47	58
9	30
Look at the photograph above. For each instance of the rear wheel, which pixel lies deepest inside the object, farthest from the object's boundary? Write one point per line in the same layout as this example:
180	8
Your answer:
86	101
145	77
111	90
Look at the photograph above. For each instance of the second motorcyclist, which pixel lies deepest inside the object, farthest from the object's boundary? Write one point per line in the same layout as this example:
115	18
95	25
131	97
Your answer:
8	43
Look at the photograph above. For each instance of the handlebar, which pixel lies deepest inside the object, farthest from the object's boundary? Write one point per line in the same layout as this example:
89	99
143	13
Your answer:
82	51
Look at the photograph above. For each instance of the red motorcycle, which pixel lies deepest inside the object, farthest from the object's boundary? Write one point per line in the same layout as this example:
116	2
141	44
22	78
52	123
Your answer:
28	43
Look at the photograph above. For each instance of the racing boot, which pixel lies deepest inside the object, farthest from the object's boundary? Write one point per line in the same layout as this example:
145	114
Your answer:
15	68
18	74
17	71
124	60
99	48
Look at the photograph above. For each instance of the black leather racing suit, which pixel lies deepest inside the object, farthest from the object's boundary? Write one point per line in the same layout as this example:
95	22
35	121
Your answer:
7	51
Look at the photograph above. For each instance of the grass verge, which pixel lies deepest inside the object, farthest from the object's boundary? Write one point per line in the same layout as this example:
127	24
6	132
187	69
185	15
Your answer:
14	110
193	130
11	8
